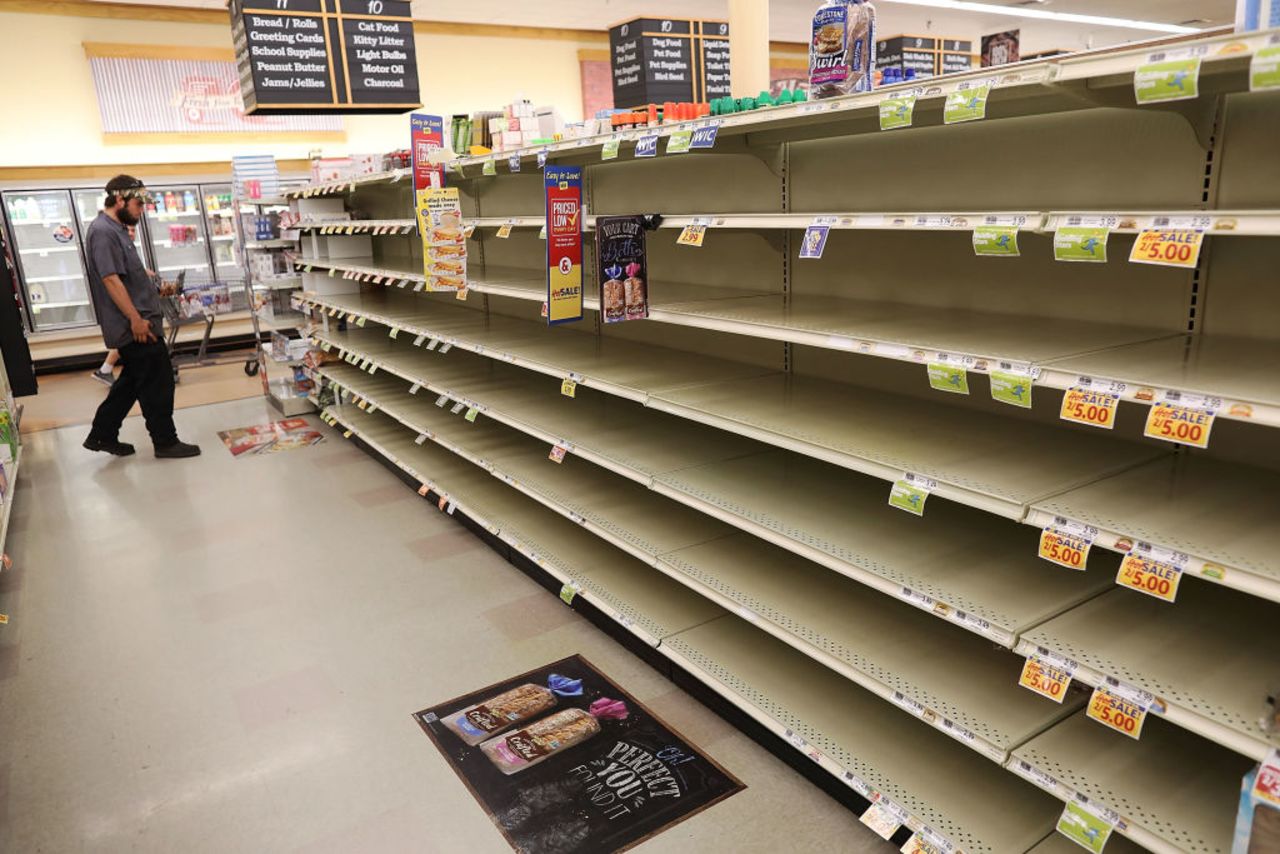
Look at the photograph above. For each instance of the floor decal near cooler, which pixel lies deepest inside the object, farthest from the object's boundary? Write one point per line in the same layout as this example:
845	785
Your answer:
563	760
273	437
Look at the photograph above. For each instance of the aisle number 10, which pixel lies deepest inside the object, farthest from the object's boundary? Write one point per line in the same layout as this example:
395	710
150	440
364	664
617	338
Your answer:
373	7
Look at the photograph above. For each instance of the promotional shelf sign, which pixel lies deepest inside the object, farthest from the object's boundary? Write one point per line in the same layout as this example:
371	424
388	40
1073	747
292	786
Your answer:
309	56
563	187
426	135
444	244
623	268
562	759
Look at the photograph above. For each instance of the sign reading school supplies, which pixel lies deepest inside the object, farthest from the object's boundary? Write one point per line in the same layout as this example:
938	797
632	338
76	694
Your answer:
313	56
563	760
426	134
563	185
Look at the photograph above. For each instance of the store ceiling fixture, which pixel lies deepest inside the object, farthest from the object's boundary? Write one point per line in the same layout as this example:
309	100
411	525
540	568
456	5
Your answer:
1022	11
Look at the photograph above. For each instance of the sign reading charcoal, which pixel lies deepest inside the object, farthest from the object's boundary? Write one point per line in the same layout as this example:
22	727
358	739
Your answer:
565	761
307	56
655	60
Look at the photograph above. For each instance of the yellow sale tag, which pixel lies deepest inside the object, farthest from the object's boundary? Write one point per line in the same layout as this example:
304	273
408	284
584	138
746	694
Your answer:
1179	424
692	235
1177	247
4	619
1095	408
569	388
346	435
362	405
504	230
919	845
1152	577
1044	679
423	490
461	294
1116	712
1064	549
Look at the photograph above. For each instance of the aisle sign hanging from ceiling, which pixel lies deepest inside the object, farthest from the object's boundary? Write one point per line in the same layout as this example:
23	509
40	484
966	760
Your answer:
563	188
310	56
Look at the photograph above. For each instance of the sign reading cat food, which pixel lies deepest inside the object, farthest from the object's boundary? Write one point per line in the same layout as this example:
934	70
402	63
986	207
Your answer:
564	760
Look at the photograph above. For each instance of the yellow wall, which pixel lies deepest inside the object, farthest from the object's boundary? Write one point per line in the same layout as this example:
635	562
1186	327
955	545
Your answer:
50	111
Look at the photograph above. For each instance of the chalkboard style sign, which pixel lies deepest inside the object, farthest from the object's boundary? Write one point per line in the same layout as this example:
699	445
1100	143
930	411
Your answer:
655	60
314	56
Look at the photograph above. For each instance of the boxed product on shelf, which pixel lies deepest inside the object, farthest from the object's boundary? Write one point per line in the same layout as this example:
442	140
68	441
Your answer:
8	435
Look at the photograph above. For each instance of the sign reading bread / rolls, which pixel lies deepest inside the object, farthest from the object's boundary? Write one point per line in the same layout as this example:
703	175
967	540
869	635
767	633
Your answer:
310	56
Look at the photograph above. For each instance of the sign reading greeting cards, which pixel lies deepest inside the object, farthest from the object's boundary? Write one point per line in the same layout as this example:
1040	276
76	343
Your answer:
620	253
564	760
563	185
444	241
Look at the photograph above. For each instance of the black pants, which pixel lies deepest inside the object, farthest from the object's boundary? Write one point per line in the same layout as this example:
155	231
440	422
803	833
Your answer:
146	378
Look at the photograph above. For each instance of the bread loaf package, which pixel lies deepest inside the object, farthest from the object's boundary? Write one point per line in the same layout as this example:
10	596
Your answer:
524	702
842	50
548	736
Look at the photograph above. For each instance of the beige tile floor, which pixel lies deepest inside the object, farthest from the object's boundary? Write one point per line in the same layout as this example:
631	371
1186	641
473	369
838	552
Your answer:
222	655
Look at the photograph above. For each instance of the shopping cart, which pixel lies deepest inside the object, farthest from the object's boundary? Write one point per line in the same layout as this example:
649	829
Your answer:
187	307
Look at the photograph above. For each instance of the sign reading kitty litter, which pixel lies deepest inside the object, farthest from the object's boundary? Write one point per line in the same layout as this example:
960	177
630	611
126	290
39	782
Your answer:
564	760
273	437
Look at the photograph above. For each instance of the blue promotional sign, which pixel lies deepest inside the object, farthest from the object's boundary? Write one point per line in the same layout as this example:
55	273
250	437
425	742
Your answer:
513	163
647	146
426	134
563	187
705	137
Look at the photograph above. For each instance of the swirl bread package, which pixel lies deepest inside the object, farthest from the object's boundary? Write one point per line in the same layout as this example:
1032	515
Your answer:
476	723
842	51
544	738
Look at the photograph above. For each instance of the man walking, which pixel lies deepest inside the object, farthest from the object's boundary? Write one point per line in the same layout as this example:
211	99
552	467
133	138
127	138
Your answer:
128	308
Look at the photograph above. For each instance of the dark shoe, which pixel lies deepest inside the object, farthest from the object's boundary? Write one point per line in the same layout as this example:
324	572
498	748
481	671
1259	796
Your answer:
120	449
108	379
177	451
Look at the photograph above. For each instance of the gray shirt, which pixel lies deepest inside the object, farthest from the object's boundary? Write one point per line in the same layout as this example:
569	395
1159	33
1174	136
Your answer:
108	251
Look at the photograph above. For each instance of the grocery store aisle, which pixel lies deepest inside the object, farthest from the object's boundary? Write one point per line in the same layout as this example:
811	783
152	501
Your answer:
223	655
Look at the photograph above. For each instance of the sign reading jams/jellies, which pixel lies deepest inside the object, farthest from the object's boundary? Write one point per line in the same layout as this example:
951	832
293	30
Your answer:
562	759
308	56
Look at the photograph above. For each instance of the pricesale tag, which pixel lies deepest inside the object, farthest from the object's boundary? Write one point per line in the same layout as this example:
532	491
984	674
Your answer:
1181	424
910	493
1155	578
1086	406
1121	710
1064	548
1169	247
1045	678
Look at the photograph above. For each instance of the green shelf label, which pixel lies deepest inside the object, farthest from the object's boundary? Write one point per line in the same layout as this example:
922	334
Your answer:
1083	827
679	141
1264	69
567	592
966	105
946	377
490	167
906	497
1013	389
897	112
1081	243
609	151
1171	80
1001	240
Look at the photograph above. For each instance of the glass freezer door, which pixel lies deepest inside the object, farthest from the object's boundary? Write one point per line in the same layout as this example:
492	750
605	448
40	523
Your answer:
89	204
47	246
220	214
175	227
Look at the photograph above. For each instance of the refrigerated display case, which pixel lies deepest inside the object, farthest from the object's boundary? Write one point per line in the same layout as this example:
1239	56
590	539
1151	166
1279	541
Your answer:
46	245
180	242
219	211
88	204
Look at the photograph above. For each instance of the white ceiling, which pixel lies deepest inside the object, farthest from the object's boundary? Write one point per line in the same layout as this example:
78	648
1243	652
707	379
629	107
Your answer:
789	18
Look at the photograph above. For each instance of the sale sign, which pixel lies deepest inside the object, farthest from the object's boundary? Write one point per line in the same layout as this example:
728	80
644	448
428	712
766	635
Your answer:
1181	424
563	188
426	135
1153	577
1064	548
1044	678
1085	406
1176	247
1125	714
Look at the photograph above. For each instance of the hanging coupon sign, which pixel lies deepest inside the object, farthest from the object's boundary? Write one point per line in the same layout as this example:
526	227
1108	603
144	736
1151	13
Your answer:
1081	243
705	137
1065	548
910	493
1045	676
513	162
679	142
897	111
948	376
815	237
1264	68
1155	572
1012	384
1084	826
647	146
1163	79
1176	247
563	189
489	167
967	104
609	149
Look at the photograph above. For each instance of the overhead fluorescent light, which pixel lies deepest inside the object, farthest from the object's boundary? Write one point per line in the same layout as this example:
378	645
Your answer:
1064	17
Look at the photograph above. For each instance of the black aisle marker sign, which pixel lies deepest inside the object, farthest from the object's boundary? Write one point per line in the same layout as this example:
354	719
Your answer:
563	760
311	56
655	60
